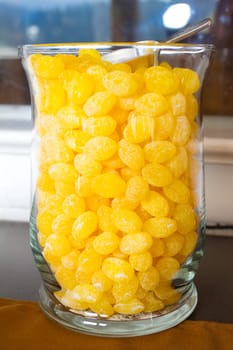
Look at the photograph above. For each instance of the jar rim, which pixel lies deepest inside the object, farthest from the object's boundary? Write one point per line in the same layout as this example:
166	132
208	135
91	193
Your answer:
71	47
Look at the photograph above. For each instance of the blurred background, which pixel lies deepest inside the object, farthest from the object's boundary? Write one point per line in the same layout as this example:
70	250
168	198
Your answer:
27	22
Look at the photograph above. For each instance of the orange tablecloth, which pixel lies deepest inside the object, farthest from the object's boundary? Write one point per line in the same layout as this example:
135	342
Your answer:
23	326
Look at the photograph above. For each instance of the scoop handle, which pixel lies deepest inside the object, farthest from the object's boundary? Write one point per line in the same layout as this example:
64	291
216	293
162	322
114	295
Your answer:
190	30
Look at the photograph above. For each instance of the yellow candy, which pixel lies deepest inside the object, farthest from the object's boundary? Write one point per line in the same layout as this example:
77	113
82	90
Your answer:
182	131
68	299
58	245
65	277
185	218
124	291
100	281
126	220
137	188
100	147
149	279
100	103
155	204
70	117
160	227
120	83
44	222
70	260
157	174
80	88
178	104
73	205
83	186
105	243
102	307
52	97
152	303
157	248
161	80
135	243
62	172
47	67
108	185
165	125
152	104
86	165
131	155
167	267
76	139
86	293
105	219
190	241
189	80
99	126
178	164
85	225
62	224
118	270
131	307
89	261
173	244
54	150
177	192
159	151
140	128
141	261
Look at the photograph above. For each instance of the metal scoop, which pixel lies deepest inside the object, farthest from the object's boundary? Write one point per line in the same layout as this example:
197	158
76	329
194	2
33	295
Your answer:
123	55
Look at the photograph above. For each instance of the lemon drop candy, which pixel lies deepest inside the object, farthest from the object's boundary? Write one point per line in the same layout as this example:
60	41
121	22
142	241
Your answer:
86	165
108	185
85	224
157	174
120	83
177	192
73	205
46	66
149	279
159	151
131	307
100	147
185	217
155	204
167	267
160	227
124	291
161	80
152	104
141	261
131	154
134	243
105	243
137	188
100	103
189	80
99	126
86	293
118	270
126	220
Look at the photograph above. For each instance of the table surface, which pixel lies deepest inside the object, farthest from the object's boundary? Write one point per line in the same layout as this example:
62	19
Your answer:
214	280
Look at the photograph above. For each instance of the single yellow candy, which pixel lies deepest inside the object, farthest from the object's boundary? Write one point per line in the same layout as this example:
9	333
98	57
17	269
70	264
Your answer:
160	227
185	217
167	267
135	243
141	261
100	103
65	277
124	291
126	220
131	155
105	243
118	270
159	151
73	205
131	307
86	165
155	204
120	83
177	192
137	189
157	174
152	104
149	279
161	79
100	147
108	185
99	126
85	224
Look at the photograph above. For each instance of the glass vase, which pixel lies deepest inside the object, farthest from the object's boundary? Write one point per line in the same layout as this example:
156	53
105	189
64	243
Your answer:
117	224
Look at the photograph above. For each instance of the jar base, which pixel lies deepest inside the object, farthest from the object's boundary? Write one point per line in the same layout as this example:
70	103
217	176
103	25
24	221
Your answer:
147	324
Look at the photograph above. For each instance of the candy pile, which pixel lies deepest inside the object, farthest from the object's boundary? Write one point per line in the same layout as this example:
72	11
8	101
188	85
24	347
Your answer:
114	193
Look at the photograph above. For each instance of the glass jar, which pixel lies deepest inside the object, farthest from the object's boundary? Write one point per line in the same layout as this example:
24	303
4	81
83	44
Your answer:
118	217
